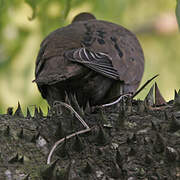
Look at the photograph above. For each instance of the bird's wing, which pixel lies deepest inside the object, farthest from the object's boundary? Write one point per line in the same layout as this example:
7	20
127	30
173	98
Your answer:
97	61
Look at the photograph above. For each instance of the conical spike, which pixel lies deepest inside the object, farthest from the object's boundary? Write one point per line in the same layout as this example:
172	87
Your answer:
166	115
40	112
68	172
63	150
149	99
18	111
175	94
103	118
10	111
131	138
154	126
148	159
174	124
116	172
102	138
78	144
36	113
28	113
121	119
129	105
88	169
27	177
60	133
119	158
131	151
176	99
76	106
21	134
159	144
141	107
67	98
49	113
14	159
47	173
88	108
75	101
7	131
159	100
21	160
171	154
35	137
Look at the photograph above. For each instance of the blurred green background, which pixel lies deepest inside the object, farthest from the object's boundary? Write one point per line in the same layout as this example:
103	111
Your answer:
24	24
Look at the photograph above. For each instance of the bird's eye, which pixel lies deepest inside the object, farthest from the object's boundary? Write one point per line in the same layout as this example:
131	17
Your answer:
131	59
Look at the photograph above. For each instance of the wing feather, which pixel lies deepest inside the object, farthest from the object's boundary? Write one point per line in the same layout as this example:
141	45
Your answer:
99	62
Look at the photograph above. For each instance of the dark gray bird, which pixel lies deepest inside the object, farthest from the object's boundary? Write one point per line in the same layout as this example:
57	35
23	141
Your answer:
95	60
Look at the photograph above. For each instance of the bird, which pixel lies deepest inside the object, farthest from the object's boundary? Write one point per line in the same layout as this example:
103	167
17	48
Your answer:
95	60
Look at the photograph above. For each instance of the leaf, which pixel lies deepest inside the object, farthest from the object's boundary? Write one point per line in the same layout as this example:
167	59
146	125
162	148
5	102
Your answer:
178	12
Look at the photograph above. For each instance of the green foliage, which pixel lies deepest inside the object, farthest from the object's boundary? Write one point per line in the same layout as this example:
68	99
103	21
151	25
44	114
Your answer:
178	12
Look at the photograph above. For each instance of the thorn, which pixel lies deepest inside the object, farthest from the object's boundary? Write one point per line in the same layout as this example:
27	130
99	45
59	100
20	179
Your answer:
129	105
148	159
101	138
47	173
18	112
65	174
36	113
166	116
28	113
103	118
88	169
67	98
159	144
21	134
174	124
149	99
7	131
154	126
78	145
27	177
49	113
175	94
10	111
100	151
21	160
68	172
63	151
88	108
60	133
159	100
76	106
116	172
176	98
35	137
140	89
119	158
171	154
120	120
40	112
131	151
14	159
140	107
131	138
